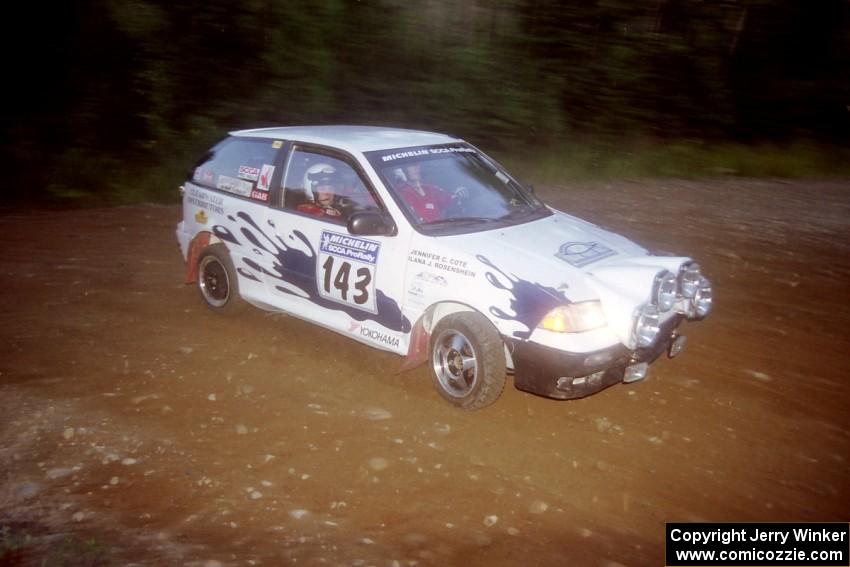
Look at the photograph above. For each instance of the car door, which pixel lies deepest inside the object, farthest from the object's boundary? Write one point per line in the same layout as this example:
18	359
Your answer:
348	283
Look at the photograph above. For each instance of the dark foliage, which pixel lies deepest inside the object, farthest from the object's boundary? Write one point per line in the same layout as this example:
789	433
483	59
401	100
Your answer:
111	95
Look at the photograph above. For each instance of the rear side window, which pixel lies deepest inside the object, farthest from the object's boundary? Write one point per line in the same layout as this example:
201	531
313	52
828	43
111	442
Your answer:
244	167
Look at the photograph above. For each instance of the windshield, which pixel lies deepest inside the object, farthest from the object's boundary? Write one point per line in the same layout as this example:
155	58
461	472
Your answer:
454	188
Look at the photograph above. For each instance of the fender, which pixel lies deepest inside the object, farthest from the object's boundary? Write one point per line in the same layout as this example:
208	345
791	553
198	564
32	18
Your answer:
201	241
420	334
417	351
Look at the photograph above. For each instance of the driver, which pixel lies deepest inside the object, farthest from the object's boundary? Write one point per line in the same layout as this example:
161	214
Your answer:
428	202
321	185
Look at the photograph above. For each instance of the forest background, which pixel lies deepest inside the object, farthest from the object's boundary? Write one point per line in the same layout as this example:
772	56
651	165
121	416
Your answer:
113	100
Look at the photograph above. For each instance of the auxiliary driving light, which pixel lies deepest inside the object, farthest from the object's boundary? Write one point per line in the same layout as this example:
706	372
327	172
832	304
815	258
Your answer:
664	291
647	326
703	298
689	279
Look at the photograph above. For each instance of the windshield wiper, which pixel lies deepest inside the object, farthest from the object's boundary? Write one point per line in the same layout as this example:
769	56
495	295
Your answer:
518	213
474	220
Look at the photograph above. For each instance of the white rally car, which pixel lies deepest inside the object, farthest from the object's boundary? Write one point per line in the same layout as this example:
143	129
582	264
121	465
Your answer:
419	244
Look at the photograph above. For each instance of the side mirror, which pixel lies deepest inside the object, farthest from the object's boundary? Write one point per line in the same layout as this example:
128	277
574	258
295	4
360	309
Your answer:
530	188
370	223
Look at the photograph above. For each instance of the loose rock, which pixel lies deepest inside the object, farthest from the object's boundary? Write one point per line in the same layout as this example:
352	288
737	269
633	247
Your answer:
377	414
538	507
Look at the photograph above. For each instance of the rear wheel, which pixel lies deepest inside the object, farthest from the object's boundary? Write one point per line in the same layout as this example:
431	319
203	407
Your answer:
217	281
467	360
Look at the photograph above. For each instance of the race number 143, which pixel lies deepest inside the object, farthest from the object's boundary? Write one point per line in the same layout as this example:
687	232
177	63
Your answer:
348	282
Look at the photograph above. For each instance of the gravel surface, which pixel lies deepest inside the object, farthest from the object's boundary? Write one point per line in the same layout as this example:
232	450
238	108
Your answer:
151	431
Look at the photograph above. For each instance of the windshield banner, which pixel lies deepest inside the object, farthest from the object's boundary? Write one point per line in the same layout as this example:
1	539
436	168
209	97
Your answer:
395	154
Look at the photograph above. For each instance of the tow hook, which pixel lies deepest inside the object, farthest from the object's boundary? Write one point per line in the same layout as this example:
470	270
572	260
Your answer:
676	345
635	372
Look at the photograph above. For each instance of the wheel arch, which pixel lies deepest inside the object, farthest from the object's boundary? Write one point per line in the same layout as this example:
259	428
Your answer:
200	241
432	315
440	310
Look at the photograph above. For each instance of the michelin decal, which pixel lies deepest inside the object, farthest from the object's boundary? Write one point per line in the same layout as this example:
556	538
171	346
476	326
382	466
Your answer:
346	246
426	152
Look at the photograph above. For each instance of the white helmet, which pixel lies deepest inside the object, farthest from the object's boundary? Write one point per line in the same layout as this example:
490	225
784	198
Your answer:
316	175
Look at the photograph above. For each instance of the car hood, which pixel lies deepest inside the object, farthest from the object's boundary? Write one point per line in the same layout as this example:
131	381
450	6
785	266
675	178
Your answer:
558	251
561	259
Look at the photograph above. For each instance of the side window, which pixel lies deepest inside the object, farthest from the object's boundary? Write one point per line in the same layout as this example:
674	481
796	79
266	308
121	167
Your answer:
324	186
241	166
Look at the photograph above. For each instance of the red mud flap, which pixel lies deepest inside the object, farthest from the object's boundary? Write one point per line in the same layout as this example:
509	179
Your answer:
417	352
198	243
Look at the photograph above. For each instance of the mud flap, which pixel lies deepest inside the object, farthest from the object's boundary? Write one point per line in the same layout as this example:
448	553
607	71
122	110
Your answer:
198	243
417	352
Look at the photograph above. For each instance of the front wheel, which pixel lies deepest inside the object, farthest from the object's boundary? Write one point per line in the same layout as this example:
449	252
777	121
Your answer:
467	360
217	282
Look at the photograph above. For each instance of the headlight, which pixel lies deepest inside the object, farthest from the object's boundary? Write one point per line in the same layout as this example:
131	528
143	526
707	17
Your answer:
664	291
647	326
574	318
703	298
689	279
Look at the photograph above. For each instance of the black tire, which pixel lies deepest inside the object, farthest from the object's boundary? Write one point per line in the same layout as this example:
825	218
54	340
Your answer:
217	283
467	360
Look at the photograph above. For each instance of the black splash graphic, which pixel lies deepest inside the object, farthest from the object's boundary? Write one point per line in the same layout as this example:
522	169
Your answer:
297	268
246	274
530	301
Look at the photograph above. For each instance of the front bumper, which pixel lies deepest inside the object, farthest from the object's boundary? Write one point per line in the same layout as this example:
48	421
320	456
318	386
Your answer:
554	373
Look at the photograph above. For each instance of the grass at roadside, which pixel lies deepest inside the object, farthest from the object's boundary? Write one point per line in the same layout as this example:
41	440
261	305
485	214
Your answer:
23	544
680	160
83	179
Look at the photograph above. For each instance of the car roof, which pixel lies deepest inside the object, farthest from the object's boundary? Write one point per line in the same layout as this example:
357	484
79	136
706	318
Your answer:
351	138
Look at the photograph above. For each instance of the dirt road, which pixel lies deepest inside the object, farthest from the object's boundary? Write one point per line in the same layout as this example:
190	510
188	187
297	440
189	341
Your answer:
139	428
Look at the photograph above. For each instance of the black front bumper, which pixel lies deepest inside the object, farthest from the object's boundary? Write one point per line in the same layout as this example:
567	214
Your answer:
554	373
